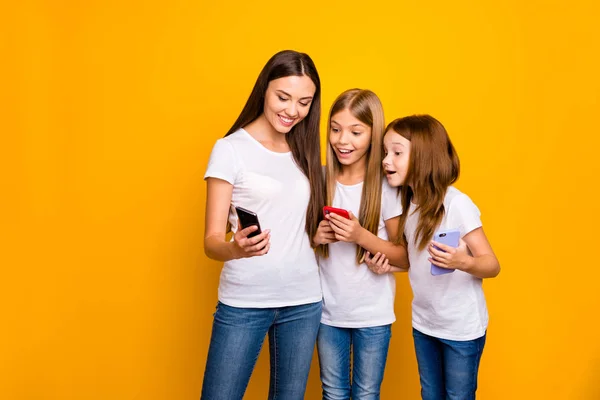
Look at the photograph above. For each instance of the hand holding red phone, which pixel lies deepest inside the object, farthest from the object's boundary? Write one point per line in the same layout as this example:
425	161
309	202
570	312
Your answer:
245	247
324	234
345	230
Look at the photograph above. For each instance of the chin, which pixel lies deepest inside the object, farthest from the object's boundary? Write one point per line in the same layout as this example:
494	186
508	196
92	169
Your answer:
394	182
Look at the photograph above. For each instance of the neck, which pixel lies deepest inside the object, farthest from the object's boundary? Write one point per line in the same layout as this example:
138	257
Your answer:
263	131
414	198
353	173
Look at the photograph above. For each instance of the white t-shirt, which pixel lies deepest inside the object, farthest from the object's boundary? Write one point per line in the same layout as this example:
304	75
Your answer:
271	185
450	306
353	296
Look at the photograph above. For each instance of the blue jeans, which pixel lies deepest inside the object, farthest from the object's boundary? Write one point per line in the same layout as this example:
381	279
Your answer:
447	368
236	340
369	348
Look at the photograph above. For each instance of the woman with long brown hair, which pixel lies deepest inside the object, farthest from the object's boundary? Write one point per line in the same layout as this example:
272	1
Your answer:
269	163
449	313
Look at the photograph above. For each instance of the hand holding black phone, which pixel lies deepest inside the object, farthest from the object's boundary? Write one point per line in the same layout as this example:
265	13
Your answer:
247	219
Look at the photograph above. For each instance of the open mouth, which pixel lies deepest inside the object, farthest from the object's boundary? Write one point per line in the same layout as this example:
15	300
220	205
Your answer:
285	121
389	172
344	152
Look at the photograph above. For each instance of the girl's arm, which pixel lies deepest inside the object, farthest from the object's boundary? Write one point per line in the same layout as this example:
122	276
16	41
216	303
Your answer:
218	200
350	230
474	255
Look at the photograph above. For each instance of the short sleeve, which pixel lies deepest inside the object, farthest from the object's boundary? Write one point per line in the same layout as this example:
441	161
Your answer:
222	163
463	215
391	205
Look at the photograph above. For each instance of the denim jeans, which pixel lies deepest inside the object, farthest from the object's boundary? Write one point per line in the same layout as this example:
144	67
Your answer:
369	348
448	368
236	340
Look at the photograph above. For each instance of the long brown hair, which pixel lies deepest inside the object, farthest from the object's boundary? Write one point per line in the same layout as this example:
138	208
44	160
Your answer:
433	166
304	138
365	106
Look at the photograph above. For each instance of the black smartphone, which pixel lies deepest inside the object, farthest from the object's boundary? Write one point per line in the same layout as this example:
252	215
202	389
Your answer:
248	218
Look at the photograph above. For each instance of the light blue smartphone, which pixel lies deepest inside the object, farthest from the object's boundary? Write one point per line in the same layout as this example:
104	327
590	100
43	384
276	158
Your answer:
450	237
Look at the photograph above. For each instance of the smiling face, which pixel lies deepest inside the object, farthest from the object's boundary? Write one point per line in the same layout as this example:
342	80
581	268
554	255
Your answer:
397	157
287	101
349	138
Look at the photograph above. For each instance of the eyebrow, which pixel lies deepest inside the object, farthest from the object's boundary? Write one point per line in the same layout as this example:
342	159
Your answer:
289	95
337	123
398	143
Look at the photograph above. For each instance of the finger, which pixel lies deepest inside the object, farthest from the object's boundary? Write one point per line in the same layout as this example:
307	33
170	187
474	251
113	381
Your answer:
337	230
244	241
438	263
340	237
352	217
372	258
326	239
262	252
257	247
440	258
380	269
339	220
386	265
246	231
258	238
382	260
336	224
376	258
437	253
442	246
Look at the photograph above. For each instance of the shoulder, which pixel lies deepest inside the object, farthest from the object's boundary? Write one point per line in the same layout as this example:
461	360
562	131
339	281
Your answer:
455	200
232	143
236	138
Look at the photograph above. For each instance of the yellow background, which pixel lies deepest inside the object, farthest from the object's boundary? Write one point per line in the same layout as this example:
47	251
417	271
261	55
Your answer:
109	110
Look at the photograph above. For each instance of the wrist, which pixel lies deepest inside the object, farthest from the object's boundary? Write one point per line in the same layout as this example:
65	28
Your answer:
234	251
360	238
468	264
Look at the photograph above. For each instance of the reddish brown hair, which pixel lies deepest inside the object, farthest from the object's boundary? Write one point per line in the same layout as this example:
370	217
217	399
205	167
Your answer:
433	166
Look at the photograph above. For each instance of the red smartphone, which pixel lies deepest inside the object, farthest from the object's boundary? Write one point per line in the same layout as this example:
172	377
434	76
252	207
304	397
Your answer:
338	211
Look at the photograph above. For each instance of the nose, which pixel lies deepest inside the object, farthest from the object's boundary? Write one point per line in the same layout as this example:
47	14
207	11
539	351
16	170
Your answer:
292	110
345	137
385	162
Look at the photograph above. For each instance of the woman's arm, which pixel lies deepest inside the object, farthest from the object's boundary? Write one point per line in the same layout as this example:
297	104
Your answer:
218	200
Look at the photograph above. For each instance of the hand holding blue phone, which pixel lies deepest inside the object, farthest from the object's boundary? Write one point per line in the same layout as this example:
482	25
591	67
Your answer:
450	238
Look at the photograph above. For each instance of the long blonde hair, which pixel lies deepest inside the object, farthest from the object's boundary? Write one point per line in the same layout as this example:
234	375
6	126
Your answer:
432	167
365	106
